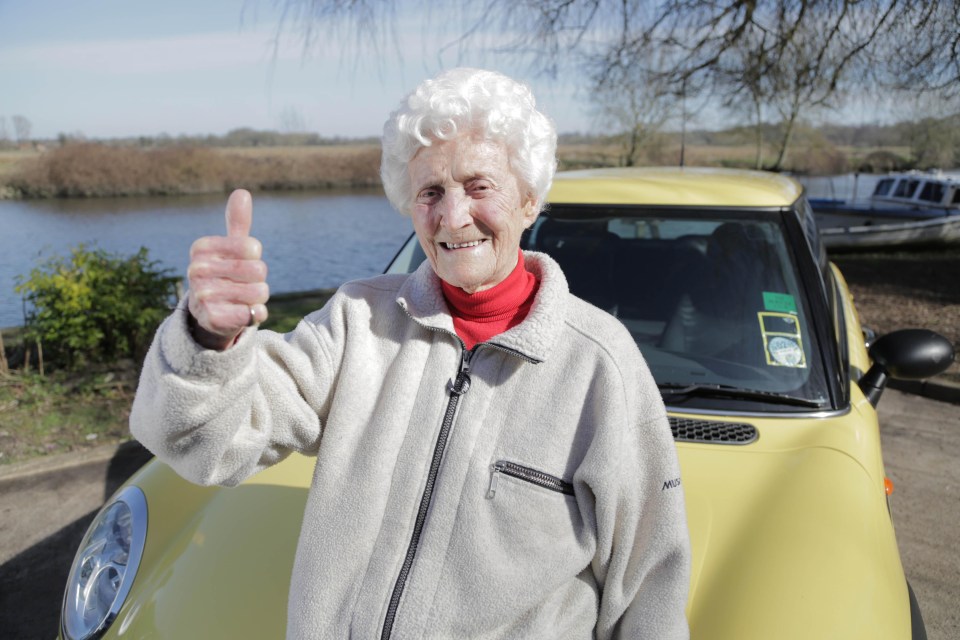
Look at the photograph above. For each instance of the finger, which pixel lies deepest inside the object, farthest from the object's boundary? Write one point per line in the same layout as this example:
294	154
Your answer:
227	319
239	213
224	318
239	248
235	270
219	291
260	313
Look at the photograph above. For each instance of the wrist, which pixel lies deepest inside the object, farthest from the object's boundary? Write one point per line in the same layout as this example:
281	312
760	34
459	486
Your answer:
207	339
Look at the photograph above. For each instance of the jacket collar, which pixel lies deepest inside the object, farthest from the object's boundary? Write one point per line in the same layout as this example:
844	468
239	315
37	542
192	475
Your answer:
421	296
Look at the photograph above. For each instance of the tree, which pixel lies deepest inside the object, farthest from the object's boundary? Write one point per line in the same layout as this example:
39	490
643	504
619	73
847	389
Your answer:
4	137
292	121
746	87
924	54
816	47
635	100
22	128
935	142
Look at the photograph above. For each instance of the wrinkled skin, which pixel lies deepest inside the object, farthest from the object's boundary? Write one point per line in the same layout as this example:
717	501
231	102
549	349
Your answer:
469	211
228	278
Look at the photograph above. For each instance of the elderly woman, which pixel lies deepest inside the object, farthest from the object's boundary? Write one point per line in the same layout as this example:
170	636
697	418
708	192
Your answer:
493	458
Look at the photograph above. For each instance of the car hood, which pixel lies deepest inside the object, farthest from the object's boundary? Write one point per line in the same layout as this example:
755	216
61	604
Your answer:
791	538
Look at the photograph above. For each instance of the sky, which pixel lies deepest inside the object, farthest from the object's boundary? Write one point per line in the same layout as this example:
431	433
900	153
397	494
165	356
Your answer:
122	68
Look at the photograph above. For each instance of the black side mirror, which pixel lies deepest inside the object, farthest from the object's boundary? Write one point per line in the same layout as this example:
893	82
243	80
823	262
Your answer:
907	354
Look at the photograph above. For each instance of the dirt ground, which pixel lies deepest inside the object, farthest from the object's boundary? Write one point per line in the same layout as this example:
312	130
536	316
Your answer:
907	289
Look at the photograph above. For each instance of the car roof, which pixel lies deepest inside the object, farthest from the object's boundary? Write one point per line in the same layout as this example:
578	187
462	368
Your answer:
675	186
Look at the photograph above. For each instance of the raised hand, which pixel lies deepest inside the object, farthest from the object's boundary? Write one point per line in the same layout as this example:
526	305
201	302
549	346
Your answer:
228	278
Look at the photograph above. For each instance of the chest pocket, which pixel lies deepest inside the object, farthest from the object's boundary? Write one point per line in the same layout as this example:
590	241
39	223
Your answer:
527	474
531	507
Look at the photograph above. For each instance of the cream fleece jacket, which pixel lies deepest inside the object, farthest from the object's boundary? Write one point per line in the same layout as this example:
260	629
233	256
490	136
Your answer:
553	507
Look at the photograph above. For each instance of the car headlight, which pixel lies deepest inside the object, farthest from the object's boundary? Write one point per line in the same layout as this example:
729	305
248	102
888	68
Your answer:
105	566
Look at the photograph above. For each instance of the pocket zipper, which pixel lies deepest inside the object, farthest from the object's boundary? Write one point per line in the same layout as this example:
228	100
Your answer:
527	474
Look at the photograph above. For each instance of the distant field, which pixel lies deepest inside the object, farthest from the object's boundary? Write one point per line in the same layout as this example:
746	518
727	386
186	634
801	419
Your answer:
97	170
89	169
11	161
333	151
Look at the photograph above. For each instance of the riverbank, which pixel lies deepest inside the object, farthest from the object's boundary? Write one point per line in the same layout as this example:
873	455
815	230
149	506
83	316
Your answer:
92	169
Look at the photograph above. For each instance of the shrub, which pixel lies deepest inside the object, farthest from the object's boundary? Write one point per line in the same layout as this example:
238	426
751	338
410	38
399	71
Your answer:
94	306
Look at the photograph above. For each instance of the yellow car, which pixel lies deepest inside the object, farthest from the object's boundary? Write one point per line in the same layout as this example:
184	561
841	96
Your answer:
752	337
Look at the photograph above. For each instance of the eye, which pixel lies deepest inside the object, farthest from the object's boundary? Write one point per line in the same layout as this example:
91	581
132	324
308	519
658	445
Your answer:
479	187
429	195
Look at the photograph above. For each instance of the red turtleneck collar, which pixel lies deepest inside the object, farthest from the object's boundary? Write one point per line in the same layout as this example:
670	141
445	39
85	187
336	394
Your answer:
479	316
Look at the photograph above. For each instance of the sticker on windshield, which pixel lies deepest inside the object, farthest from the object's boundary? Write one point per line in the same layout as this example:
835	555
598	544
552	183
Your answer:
781	339
782	302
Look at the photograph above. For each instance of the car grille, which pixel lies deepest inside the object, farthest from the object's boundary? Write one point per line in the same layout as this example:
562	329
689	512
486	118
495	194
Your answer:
687	430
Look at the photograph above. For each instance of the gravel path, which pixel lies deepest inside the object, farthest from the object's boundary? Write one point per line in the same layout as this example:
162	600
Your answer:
903	290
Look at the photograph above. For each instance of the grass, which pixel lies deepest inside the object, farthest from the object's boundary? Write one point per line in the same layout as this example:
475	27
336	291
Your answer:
61	412
66	411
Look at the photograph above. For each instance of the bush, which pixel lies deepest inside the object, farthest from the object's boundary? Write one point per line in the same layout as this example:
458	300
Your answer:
94	306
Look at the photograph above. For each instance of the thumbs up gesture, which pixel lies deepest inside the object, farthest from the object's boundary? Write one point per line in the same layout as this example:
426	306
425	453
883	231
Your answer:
228	279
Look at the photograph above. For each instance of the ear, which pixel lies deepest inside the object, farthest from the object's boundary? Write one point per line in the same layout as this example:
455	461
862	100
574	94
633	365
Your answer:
529	211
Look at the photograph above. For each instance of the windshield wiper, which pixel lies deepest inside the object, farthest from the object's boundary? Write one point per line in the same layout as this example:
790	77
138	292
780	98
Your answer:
729	391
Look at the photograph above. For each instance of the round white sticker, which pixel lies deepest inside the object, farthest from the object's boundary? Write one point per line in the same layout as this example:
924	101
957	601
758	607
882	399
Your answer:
785	351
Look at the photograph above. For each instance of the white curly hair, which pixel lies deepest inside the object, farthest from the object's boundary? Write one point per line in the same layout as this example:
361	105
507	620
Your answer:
474	102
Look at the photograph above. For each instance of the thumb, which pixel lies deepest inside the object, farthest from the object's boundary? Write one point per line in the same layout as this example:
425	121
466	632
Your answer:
239	214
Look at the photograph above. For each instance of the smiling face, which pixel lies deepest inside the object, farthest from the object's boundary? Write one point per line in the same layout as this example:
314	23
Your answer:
469	211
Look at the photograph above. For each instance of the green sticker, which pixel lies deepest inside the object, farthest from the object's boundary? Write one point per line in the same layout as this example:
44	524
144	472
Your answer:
782	302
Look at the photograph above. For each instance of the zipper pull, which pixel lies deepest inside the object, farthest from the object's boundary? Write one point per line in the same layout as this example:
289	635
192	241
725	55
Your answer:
460	386
494	477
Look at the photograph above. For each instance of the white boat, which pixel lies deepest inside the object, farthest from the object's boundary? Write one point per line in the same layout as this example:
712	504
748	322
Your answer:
897	197
942	231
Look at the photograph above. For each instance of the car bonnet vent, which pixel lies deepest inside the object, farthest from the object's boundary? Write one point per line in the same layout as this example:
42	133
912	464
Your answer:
687	430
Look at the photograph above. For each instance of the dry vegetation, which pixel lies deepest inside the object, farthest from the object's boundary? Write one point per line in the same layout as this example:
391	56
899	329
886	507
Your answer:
91	169
95	170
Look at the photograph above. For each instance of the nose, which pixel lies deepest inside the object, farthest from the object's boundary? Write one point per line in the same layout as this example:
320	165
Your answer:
455	210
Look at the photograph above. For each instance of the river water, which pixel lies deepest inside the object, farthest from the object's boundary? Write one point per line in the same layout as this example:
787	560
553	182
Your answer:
310	240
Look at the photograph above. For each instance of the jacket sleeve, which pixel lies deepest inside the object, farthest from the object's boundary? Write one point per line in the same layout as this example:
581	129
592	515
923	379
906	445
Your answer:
219	417
643	554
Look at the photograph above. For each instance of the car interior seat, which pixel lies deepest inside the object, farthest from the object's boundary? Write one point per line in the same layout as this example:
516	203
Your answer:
716	315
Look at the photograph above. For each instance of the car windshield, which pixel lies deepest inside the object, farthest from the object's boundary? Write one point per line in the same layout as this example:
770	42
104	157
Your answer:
714	303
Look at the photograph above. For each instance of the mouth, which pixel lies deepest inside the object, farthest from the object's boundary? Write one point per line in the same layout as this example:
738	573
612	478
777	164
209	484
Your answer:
450	246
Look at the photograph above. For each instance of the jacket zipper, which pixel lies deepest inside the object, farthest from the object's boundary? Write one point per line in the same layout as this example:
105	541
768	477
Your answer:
533	476
458	388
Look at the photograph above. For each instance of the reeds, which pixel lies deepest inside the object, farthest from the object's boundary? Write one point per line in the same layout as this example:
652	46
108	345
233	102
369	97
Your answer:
98	170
